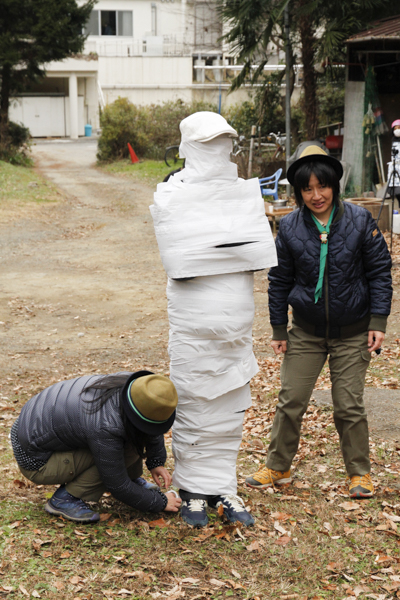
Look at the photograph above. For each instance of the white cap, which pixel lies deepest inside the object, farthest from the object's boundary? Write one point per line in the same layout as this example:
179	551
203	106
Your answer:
205	126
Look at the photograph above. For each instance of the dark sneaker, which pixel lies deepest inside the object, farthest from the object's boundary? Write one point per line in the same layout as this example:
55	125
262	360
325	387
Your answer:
194	512
361	486
148	485
64	504
234	508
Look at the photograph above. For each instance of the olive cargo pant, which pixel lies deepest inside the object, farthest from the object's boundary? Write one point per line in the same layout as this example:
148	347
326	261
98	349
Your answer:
348	362
77	470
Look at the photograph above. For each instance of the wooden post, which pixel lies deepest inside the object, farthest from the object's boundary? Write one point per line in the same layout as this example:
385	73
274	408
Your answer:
250	166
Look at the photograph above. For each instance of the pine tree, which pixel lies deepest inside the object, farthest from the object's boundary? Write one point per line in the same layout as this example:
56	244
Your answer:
33	33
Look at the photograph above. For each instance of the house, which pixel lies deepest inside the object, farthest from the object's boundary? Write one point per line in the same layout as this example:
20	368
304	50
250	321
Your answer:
372	78
148	51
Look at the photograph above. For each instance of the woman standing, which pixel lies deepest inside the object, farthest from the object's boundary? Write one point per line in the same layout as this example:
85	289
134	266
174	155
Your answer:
90	435
334	270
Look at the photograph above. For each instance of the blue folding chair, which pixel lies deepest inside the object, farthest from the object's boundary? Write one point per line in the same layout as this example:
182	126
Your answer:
270	181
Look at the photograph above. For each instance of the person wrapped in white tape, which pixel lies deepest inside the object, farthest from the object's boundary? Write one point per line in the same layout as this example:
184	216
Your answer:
212	234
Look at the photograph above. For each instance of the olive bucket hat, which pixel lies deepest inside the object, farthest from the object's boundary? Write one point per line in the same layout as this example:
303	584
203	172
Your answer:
313	153
149	401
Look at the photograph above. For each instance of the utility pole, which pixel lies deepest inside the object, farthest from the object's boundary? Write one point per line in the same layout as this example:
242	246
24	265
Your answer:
287	97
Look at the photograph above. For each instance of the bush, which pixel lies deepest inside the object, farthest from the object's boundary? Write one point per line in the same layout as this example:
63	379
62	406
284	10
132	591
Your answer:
15	144
121	122
149	129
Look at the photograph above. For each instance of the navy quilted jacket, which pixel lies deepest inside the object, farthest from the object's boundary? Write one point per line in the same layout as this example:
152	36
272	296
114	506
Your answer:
55	420
357	284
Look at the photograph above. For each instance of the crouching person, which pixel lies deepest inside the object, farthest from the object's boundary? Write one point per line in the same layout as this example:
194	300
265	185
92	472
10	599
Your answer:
90	435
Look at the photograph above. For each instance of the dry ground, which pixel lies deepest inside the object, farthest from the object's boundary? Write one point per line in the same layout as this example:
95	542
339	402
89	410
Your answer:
82	290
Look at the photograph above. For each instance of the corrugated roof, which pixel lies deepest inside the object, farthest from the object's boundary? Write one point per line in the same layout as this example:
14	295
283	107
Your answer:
385	29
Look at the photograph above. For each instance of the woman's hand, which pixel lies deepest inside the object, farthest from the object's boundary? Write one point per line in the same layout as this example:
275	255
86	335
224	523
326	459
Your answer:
375	340
163	473
279	346
174	502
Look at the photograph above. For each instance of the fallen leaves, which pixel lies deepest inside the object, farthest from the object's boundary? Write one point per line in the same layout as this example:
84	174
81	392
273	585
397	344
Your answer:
20	484
158	523
236	574
218	583
38	543
283	540
349	506
104	517
253	546
15	524
382	558
23	590
279	516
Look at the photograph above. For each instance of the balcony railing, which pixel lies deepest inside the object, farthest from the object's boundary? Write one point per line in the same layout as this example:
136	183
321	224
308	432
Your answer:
148	46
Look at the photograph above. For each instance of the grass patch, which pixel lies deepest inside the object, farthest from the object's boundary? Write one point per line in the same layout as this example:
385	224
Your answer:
306	543
150	172
21	185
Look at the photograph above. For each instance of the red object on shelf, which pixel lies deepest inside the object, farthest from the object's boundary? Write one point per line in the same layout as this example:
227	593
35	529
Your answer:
134	158
334	142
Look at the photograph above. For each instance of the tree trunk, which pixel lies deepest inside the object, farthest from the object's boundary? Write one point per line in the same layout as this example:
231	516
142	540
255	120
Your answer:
307	39
4	102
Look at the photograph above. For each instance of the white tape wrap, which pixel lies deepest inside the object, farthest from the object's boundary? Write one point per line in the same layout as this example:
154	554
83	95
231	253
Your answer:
192	222
206	439
210	339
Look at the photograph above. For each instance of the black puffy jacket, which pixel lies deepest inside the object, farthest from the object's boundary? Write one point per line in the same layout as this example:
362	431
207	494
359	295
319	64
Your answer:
57	420
357	289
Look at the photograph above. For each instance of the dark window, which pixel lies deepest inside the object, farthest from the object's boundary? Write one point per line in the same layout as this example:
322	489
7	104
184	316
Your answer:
108	22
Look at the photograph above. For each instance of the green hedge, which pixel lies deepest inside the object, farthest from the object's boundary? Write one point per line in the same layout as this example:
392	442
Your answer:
149	129
15	144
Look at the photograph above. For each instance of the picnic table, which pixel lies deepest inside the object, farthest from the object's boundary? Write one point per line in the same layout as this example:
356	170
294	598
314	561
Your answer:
272	213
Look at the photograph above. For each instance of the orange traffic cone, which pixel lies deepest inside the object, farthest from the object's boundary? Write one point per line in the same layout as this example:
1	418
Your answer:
134	158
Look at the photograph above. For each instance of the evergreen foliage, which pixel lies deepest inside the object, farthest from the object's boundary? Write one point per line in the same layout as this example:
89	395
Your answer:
318	32
32	33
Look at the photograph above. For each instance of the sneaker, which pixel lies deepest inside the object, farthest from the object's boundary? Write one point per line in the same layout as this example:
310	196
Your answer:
194	512
148	485
234	508
267	477
64	504
361	486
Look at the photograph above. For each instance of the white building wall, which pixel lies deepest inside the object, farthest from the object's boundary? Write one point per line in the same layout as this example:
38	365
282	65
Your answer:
154	65
171	20
145	70
47	116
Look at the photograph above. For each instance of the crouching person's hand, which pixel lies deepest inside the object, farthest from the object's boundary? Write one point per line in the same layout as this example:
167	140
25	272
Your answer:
164	474
174	501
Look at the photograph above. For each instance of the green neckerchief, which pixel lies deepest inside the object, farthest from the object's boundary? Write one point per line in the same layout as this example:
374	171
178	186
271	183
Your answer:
324	233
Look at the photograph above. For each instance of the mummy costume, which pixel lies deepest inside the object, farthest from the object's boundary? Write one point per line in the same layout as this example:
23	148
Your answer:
212	234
